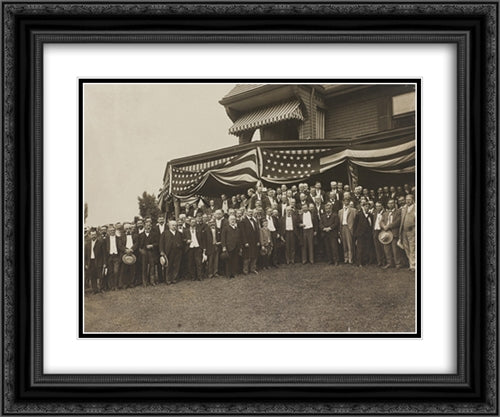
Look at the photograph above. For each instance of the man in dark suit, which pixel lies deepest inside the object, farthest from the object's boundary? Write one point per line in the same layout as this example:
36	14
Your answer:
391	220
309	224
329	226
288	231
128	243
171	247
250	238
111	259
363	225
194	243
231	244
148	247
335	201
94	260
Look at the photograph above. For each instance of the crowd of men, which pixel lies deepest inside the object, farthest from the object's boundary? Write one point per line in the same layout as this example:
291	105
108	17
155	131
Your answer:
246	233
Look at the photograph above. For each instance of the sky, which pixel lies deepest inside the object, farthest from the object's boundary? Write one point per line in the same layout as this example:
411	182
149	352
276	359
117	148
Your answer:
132	130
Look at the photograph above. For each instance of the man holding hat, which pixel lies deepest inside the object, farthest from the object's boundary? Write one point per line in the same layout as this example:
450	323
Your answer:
391	221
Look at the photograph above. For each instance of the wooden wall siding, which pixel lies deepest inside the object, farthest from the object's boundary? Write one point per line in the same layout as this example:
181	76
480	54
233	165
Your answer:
365	112
348	119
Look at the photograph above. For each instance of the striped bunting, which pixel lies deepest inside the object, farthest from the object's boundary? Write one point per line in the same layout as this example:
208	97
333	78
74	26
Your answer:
267	115
282	166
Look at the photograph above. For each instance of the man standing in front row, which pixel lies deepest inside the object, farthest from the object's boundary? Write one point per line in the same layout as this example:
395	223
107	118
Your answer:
391	221
329	226
231	244
346	216
250	237
288	231
171	245
128	243
407	230
94	256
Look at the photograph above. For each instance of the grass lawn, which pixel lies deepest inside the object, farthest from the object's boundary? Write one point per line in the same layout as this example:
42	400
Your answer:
293	298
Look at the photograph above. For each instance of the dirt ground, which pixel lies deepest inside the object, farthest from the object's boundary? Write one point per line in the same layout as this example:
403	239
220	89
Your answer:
294	298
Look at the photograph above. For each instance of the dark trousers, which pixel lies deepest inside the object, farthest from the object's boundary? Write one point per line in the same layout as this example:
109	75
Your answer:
308	245
93	273
127	275
114	263
363	249
379	248
232	263
174	265
274	252
149	269
249	260
331	246
194	258
290	246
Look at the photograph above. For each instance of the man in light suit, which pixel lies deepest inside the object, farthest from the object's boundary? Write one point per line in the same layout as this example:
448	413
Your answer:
347	215
391	220
407	230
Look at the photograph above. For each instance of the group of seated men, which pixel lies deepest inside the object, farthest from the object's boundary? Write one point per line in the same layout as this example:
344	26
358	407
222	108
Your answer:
263	229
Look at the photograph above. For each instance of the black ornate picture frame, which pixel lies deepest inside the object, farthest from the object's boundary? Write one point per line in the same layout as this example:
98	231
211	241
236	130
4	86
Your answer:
472	27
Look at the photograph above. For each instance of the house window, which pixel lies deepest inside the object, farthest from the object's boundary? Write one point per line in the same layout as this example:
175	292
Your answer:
320	123
403	110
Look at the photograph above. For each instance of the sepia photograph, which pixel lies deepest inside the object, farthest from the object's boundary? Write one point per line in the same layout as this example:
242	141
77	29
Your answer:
219	208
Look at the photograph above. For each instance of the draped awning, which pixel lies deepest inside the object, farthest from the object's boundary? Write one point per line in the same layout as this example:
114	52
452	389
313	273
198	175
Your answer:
267	115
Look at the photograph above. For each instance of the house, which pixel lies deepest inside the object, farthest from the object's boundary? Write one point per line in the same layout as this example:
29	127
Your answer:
288	133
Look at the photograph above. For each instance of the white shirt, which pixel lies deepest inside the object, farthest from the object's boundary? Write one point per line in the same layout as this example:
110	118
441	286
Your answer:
218	223
129	242
225	208
92	244
344	216
306	219
270	224
289	223
194	241
161	227
377	221
112	246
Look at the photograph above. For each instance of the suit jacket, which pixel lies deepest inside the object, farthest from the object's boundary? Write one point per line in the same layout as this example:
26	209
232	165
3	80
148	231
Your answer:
231	238
250	234
331	221
314	218
208	239
363	227
186	236
106	247
351	215
263	199
157	229
404	212
295	222
99	252
276	224
169	243
394	225
152	239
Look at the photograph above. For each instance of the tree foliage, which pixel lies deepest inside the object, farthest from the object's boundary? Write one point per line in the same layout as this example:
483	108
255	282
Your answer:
148	206
85	212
